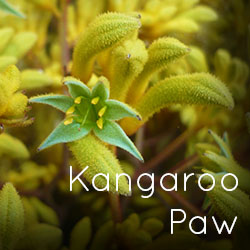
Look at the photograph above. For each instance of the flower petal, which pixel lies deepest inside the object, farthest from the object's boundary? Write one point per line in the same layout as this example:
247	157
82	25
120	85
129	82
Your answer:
65	133
100	90
76	87
117	110
113	134
60	102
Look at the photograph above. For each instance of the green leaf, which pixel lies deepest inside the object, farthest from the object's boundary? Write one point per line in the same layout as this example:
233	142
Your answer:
100	90
113	134
77	88
65	133
117	110
6	7
60	102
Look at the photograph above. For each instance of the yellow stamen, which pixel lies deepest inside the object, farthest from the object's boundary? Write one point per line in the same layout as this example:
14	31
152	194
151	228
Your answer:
78	100
95	100
71	110
102	111
100	123
68	121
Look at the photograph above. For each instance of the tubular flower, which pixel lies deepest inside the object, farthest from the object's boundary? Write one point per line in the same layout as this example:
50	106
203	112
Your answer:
112	28
89	110
197	88
130	67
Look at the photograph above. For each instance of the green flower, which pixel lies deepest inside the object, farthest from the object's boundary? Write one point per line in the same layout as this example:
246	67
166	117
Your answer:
89	110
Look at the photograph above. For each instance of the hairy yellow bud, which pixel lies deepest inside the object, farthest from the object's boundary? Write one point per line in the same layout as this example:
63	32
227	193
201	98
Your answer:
161	52
197	88
11	217
9	83
16	105
104	32
4	95
90	151
127	62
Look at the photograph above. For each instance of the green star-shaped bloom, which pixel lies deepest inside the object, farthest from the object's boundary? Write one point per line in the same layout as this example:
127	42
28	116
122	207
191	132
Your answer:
89	110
